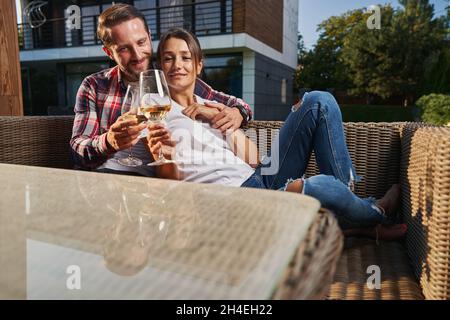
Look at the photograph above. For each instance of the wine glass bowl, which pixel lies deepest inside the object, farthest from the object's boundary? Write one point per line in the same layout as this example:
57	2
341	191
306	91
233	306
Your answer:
130	108
154	107
155	102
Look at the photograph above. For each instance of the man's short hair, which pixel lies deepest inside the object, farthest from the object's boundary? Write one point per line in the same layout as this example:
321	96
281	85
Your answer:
113	16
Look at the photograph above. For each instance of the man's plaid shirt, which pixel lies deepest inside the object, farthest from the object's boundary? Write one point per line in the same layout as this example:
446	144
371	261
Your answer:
97	107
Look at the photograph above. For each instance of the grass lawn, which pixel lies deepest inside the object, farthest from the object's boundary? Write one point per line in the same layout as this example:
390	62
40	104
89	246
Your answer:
367	113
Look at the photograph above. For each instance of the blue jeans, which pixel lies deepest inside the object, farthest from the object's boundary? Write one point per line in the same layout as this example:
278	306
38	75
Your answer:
317	125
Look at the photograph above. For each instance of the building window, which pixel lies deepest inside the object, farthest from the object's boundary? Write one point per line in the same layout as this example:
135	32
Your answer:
213	16
283	91
147	7
39	87
224	73
75	74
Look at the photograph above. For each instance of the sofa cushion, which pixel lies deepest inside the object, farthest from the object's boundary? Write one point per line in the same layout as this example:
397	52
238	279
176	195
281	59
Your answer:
397	279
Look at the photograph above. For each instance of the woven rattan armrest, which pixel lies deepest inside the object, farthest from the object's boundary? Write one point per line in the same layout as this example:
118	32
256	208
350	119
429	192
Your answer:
426	205
311	270
36	141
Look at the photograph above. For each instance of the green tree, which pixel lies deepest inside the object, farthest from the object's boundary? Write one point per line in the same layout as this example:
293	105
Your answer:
301	50
435	108
369	56
322	68
408	56
437	67
391	61
437	73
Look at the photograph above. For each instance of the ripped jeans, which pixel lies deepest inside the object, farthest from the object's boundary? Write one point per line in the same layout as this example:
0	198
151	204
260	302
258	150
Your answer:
317	125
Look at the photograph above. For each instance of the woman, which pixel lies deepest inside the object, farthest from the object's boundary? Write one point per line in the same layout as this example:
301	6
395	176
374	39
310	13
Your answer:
203	154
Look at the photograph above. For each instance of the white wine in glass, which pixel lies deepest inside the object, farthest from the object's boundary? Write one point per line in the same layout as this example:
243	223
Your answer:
155	112
155	102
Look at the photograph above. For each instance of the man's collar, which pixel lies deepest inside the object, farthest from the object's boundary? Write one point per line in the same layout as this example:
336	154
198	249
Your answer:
113	73
123	82
120	78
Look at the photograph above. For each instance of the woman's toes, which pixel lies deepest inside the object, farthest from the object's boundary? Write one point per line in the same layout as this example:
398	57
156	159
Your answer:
393	232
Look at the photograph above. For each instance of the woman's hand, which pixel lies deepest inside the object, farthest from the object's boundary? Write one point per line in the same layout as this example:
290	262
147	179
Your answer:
159	137
200	112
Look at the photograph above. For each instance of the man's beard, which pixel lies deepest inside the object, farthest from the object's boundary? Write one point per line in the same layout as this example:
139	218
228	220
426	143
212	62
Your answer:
132	74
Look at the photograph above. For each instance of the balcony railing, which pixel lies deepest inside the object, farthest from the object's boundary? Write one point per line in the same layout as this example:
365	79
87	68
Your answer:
202	18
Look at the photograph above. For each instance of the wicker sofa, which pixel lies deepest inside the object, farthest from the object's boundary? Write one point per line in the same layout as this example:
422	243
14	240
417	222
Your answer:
384	153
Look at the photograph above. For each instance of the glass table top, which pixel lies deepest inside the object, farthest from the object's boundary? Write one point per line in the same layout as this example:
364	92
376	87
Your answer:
80	235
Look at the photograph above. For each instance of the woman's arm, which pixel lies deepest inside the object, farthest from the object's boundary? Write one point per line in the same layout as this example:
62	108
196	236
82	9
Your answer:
240	144
243	147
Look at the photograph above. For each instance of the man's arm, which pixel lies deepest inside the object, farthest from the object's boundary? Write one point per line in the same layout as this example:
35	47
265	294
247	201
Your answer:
89	147
206	92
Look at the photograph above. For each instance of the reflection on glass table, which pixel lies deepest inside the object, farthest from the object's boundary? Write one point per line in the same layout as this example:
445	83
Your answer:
141	238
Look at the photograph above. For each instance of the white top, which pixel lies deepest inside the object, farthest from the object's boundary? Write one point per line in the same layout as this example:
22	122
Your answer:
202	153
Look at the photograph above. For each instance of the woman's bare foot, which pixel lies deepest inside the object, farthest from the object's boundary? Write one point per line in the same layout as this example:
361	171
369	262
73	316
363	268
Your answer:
389	233
380	232
391	200
389	204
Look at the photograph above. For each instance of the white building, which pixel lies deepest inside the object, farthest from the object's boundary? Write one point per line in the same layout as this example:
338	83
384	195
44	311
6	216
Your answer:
250	48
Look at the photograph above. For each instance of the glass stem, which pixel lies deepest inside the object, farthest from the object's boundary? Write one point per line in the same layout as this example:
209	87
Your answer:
161	156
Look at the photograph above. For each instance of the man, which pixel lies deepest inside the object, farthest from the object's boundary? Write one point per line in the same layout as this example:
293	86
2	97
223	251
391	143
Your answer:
100	136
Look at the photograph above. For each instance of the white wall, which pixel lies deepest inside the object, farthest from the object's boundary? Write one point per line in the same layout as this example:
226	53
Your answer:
290	29
248	79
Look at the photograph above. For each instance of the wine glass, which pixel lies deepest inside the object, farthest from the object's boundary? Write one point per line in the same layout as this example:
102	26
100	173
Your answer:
130	108
155	102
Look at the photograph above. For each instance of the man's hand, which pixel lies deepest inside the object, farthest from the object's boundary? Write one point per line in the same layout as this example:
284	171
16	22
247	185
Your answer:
159	137
227	119
124	133
200	112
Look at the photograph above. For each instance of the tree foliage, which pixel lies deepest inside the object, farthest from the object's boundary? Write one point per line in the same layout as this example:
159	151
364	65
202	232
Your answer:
435	108
322	68
408	56
437	73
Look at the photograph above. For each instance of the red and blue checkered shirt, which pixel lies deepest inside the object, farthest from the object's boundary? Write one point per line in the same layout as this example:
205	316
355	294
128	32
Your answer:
97	107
